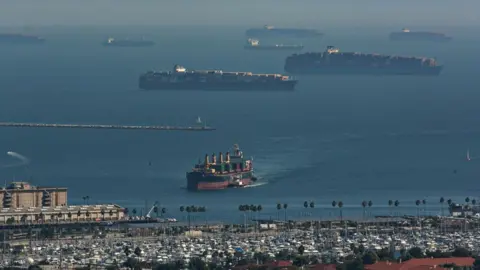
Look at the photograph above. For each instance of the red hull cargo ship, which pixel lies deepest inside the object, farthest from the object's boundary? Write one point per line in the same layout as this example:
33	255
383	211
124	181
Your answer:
225	172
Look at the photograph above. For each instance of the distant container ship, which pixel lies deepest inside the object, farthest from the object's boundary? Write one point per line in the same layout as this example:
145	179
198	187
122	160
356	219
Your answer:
407	35
270	31
254	44
182	79
334	62
233	171
111	42
20	39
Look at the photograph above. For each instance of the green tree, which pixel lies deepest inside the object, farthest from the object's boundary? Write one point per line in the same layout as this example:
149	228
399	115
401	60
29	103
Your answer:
416	252
369	258
461	252
197	263
301	249
356	264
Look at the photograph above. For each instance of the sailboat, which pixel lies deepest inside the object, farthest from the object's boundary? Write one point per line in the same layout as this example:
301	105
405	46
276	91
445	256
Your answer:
468	155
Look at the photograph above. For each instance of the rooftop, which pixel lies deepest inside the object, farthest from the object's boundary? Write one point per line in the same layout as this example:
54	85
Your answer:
22	185
64	209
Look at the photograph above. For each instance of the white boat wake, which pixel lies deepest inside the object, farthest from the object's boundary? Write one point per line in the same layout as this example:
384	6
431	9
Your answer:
257	184
23	160
469	157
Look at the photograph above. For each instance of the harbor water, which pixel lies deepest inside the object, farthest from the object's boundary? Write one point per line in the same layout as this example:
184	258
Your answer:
342	138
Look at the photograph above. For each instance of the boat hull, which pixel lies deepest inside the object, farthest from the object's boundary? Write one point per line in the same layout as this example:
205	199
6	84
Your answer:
218	86
198	181
21	40
129	44
362	70
278	32
274	48
419	37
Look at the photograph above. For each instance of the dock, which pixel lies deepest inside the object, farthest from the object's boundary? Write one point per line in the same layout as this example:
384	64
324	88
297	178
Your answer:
98	126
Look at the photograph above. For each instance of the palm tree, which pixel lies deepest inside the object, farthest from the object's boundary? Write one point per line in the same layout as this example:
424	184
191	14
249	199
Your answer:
134	211
163	211
340	205
155	210
279	207
243	208
370	203
449	202
424	202
390	203
285	206
110	213
305	205
188	209
102	212
79	213
364	204
442	200
334	204
59	215
85	199
467	200
417	202
396	203
23	219
87	214
69	215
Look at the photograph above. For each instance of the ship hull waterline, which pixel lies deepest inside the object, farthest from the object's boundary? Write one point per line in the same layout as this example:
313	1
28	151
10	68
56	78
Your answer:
434	71
196	181
217	86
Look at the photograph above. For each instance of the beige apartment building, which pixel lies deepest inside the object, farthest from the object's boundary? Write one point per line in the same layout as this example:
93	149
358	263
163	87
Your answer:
22	195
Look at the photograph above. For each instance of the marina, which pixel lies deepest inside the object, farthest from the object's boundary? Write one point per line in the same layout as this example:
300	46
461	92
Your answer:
226	245
98	126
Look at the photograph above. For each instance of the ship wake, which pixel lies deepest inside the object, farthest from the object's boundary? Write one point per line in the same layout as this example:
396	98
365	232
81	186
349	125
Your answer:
257	184
22	160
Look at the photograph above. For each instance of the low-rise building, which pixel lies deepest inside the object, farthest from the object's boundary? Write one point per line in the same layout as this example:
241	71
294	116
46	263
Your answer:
72	213
22	202
22	194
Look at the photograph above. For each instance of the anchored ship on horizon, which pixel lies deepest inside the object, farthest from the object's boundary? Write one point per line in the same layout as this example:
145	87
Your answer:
20	39
254	44
182	79
332	61
407	35
233	171
270	31
112	42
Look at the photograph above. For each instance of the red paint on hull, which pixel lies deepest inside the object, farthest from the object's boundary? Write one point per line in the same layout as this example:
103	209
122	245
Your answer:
222	185
212	185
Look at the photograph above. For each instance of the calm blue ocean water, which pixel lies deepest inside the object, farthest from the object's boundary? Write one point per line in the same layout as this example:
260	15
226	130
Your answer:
336	138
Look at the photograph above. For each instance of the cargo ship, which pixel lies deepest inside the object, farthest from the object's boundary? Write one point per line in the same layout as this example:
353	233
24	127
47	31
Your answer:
270	31
20	39
332	61
232	172
254	44
111	42
407	35
183	79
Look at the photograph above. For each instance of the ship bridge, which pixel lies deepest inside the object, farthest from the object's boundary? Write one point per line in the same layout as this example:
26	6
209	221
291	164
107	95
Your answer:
179	69
332	49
